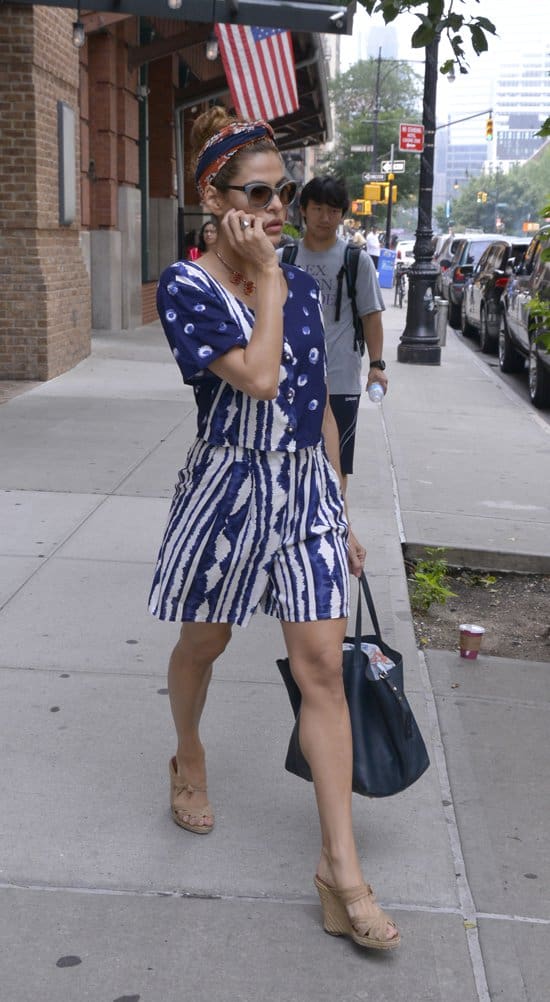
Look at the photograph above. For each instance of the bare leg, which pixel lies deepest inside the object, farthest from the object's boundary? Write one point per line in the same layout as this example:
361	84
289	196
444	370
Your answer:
315	652
189	674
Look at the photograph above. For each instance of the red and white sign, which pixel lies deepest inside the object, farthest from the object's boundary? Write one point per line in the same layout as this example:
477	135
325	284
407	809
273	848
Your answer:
411	138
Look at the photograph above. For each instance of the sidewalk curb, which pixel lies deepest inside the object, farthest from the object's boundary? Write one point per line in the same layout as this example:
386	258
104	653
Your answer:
482	560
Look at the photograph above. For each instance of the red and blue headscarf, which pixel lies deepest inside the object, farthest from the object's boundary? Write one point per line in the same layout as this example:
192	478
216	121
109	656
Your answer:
220	148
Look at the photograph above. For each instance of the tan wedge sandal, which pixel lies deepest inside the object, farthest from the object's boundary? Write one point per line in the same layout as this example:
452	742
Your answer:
183	812
369	929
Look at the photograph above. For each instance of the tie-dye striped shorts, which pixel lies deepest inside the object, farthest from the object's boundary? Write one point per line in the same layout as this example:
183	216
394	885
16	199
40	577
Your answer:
249	528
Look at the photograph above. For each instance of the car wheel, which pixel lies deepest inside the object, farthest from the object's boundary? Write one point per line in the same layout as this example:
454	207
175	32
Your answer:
509	359
454	315
486	342
539	378
465	325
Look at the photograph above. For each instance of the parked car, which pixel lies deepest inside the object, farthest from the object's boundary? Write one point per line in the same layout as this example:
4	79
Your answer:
467	253
519	328
437	244
443	255
404	253
481	301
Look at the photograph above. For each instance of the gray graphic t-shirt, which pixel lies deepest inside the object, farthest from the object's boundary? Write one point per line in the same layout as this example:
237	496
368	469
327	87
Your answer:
344	363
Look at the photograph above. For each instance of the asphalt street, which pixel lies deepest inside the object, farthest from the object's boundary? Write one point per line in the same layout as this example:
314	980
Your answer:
516	382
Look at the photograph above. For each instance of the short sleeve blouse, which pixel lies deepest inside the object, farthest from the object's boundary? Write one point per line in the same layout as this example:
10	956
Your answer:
202	321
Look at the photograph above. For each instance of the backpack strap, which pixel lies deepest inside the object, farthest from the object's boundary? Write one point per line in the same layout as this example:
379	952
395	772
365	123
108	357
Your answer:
340	280
289	254
351	265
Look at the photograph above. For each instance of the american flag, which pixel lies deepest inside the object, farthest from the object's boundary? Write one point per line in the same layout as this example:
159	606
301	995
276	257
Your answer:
259	66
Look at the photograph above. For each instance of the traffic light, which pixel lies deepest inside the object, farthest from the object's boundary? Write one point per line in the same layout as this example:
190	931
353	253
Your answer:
374	192
386	192
358	207
489	128
482	196
379	192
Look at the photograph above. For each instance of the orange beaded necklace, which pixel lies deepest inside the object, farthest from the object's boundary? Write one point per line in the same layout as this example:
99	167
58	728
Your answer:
237	277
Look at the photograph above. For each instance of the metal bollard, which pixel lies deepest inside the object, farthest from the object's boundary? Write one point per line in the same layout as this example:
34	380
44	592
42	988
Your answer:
441	309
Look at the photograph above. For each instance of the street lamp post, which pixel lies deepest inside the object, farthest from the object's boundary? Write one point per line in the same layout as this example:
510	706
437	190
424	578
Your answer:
376	111
419	342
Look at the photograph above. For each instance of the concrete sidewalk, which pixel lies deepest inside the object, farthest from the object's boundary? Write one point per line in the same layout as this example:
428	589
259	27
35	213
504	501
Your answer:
102	897
471	458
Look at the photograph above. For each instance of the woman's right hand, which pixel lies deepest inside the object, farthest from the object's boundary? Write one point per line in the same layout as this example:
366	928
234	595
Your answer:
245	235
356	555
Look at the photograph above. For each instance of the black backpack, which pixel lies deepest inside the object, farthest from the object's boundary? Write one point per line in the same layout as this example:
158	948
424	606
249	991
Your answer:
349	269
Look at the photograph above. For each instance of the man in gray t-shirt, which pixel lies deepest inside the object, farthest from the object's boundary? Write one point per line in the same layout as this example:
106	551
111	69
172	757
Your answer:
323	203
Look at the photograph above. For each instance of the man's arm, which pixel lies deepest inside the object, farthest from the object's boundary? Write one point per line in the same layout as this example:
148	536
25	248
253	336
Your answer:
370	306
373	334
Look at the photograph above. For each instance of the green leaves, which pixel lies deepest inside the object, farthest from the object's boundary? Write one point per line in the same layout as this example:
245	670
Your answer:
479	41
540	308
437	17
454	21
487	25
447	67
429	580
424	34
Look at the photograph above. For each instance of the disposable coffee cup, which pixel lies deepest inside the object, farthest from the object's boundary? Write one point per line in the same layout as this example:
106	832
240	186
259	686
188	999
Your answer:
470	640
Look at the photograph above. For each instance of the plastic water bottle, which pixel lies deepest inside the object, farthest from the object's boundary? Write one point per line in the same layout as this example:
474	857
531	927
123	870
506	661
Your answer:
376	392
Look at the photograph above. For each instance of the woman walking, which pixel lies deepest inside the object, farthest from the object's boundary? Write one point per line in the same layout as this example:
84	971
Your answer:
258	517
208	234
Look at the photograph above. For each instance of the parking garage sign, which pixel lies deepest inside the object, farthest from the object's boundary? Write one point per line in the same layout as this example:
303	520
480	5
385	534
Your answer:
411	138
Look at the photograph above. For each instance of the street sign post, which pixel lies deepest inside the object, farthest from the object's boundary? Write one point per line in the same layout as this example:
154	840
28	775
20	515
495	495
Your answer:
393	167
368	176
361	148
411	138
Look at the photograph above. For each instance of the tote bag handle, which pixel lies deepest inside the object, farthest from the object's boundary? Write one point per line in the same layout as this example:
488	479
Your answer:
364	587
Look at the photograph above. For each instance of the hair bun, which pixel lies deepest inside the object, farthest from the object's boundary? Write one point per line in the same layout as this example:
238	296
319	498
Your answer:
207	125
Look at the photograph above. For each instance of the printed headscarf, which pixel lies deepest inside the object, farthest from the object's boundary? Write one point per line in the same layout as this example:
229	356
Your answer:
223	145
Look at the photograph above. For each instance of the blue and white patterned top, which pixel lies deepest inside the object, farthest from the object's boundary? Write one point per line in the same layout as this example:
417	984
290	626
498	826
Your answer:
202	321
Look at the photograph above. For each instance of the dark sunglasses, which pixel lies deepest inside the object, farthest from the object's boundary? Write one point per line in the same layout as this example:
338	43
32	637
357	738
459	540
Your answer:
261	195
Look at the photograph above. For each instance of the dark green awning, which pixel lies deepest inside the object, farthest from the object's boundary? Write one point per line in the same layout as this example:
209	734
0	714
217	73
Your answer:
328	17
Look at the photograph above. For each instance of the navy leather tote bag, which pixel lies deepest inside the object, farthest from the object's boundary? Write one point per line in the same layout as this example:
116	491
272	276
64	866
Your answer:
389	753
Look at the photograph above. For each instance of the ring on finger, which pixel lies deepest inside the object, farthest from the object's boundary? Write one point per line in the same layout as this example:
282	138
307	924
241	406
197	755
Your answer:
244	224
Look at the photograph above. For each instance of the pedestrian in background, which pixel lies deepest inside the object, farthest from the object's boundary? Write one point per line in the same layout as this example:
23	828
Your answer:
258	517
373	245
323	204
208	234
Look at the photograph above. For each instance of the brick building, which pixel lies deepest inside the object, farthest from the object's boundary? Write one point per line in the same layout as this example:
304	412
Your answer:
45	286
94	195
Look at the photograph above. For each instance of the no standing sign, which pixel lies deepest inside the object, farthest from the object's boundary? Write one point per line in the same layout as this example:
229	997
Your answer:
411	138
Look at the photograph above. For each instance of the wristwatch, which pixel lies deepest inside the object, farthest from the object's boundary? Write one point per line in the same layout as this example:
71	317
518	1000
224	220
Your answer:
378	363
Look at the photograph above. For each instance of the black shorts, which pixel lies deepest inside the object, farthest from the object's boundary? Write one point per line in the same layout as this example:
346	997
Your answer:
345	408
